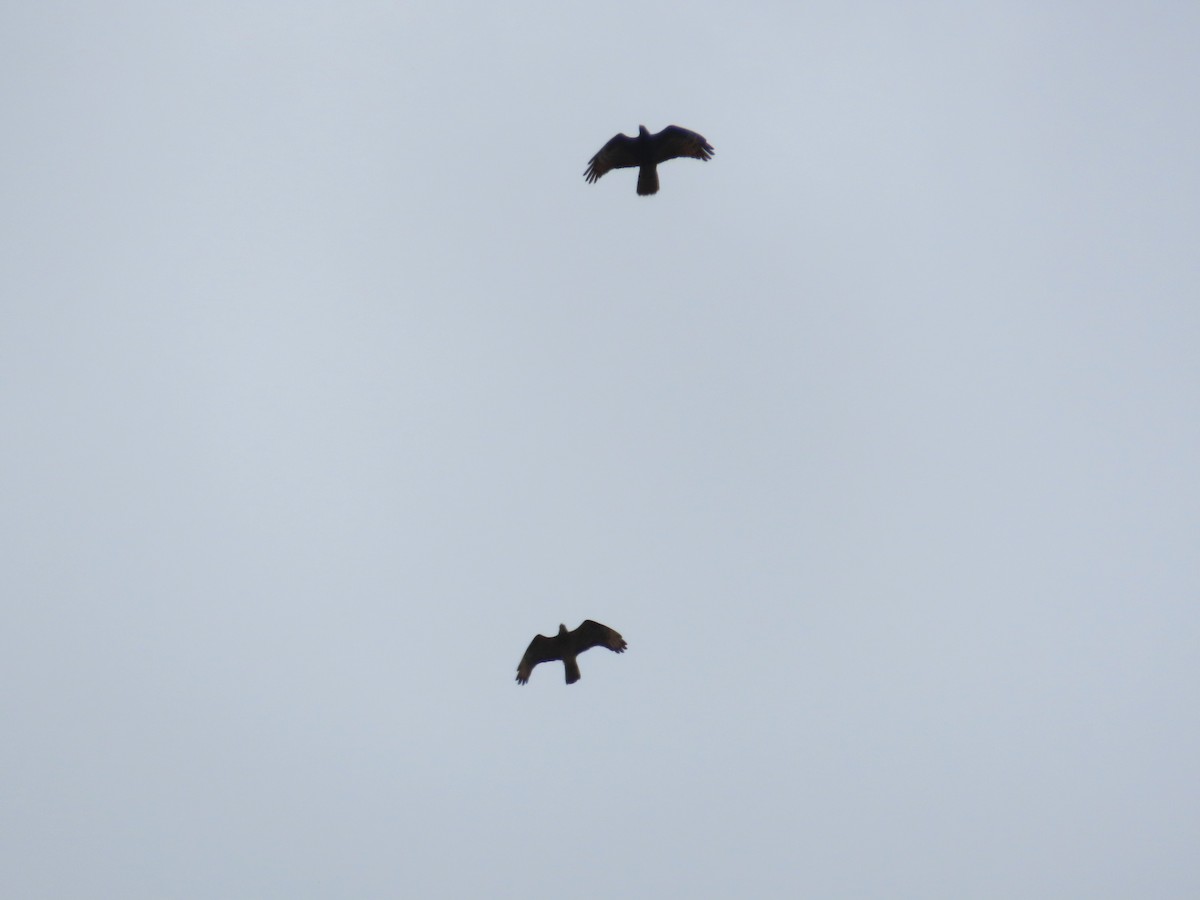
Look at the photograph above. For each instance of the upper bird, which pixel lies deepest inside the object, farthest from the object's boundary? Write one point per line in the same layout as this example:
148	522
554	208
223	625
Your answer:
646	151
566	645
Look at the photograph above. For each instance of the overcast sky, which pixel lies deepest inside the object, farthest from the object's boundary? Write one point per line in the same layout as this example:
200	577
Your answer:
327	382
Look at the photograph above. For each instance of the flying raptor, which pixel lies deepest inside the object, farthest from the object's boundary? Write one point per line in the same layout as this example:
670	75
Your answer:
646	151
566	645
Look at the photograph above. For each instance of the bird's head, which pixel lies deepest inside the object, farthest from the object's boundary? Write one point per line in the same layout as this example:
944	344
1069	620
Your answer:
642	131
562	629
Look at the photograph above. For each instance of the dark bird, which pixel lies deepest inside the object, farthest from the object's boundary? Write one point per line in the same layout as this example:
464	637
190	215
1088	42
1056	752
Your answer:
566	645
646	151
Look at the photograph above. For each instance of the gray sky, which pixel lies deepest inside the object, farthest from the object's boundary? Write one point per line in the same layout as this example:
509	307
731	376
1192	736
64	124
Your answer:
327	382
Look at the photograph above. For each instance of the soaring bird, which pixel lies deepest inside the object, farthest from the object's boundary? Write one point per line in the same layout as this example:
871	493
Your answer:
646	151
566	645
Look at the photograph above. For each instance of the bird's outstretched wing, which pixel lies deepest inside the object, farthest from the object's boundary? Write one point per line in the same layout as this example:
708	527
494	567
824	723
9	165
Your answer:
540	650
616	154
674	141
593	634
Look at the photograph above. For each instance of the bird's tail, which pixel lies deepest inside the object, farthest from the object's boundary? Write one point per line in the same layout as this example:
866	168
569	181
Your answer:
572	666
648	180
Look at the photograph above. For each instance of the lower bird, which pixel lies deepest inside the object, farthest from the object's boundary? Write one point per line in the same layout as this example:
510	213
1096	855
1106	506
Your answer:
646	151
567	645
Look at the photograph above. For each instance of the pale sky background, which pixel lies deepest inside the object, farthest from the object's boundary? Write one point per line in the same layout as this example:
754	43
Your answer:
327	382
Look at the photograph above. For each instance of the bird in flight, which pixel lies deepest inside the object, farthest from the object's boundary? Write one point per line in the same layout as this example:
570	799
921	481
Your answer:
646	151
566	645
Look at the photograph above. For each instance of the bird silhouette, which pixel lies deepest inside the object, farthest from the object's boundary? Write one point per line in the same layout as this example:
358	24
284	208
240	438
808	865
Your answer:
567	645
646	151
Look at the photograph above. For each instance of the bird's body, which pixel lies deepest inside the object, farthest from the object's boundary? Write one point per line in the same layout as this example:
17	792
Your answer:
567	645
646	151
